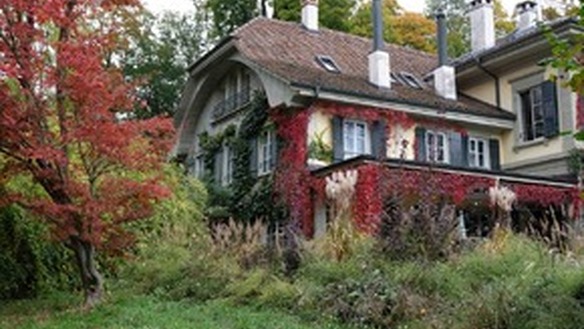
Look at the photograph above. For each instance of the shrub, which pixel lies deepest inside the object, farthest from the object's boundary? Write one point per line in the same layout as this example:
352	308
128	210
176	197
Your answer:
30	263
427	230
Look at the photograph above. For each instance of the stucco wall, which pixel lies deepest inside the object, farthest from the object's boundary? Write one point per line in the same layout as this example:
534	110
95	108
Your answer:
205	120
527	156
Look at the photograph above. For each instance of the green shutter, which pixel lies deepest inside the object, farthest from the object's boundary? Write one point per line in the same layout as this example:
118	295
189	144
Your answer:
420	144
494	154
457	150
253	156
218	166
378	140
338	147
550	109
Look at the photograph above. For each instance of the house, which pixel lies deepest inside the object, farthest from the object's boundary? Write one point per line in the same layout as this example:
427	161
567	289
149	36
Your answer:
287	104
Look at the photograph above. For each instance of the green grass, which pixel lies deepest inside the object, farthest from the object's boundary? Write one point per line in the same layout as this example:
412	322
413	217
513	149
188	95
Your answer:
146	312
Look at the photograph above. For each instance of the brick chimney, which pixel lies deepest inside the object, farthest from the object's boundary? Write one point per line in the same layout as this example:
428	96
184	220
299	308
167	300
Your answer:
310	14
379	69
482	24
444	75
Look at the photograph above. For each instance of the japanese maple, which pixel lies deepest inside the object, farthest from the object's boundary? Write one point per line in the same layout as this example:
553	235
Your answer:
64	122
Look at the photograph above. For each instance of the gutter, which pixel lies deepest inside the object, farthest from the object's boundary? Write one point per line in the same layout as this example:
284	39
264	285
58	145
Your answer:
495	78
401	105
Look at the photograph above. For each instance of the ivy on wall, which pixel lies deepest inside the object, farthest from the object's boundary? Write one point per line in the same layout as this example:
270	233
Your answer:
248	197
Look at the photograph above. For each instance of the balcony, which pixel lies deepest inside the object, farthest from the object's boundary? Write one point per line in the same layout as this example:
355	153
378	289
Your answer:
231	105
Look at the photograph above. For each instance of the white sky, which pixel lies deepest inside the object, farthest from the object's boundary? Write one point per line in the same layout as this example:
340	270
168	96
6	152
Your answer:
187	5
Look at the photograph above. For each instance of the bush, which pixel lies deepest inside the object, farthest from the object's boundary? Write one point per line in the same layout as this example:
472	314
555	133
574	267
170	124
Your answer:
30	263
426	230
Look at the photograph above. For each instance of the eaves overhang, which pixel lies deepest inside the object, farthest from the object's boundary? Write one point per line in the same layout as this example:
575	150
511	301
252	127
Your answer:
520	48
409	107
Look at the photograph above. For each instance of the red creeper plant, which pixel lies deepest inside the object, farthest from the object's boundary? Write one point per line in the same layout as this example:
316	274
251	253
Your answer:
60	125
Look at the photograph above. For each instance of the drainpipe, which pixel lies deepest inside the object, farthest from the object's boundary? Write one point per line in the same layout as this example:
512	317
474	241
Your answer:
495	78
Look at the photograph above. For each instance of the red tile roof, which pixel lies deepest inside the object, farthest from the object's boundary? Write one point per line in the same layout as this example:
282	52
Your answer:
289	51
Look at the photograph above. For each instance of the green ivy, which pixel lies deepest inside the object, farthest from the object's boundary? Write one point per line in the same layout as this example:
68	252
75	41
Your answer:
248	197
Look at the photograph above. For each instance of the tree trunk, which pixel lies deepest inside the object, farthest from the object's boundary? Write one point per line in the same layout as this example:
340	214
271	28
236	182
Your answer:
91	279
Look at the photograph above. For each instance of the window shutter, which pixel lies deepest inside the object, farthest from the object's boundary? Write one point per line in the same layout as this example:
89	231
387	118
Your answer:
457	150
494	154
420	144
253	156
550	109
338	147
378	142
218	167
464	153
276	141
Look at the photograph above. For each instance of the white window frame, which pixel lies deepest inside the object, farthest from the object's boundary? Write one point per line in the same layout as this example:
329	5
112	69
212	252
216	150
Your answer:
432	150
227	177
475	152
366	143
265	145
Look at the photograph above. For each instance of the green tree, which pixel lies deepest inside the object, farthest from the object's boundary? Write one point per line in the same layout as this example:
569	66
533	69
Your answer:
333	14
403	28
158	55
227	15
458	23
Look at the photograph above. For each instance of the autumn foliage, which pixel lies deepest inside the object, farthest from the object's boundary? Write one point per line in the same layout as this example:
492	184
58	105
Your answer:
65	123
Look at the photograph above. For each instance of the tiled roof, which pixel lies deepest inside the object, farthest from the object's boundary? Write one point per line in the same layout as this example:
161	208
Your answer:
288	51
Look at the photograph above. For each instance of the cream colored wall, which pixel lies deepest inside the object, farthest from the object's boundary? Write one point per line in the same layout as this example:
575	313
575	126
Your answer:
513	151
320	126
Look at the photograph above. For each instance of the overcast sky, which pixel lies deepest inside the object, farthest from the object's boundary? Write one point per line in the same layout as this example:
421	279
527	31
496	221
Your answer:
186	5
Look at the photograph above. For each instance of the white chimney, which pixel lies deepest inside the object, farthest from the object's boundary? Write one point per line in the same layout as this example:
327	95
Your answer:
379	69
310	14
482	24
527	12
444	75
445	82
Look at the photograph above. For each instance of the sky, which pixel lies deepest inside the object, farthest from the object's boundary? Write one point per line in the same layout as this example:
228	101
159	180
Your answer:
187	5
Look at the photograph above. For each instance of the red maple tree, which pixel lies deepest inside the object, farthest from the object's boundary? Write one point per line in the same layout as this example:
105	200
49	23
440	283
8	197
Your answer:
61	110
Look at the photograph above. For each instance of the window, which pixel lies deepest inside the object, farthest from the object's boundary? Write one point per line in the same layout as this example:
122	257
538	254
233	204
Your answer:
532	113
356	138
237	90
478	153
227	177
266	148
437	147
410	80
328	63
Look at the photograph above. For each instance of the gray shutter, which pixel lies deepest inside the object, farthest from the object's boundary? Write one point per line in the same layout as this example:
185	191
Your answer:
464	154
253	156
338	147
494	154
378	140
274	150
456	149
218	166
420	144
550	109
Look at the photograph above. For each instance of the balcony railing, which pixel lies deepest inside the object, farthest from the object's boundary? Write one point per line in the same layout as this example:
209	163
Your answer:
231	104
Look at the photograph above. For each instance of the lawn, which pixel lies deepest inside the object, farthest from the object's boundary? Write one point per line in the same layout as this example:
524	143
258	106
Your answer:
146	312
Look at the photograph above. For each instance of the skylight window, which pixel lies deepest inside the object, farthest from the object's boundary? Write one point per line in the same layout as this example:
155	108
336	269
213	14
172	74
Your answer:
410	80
394	78
328	63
